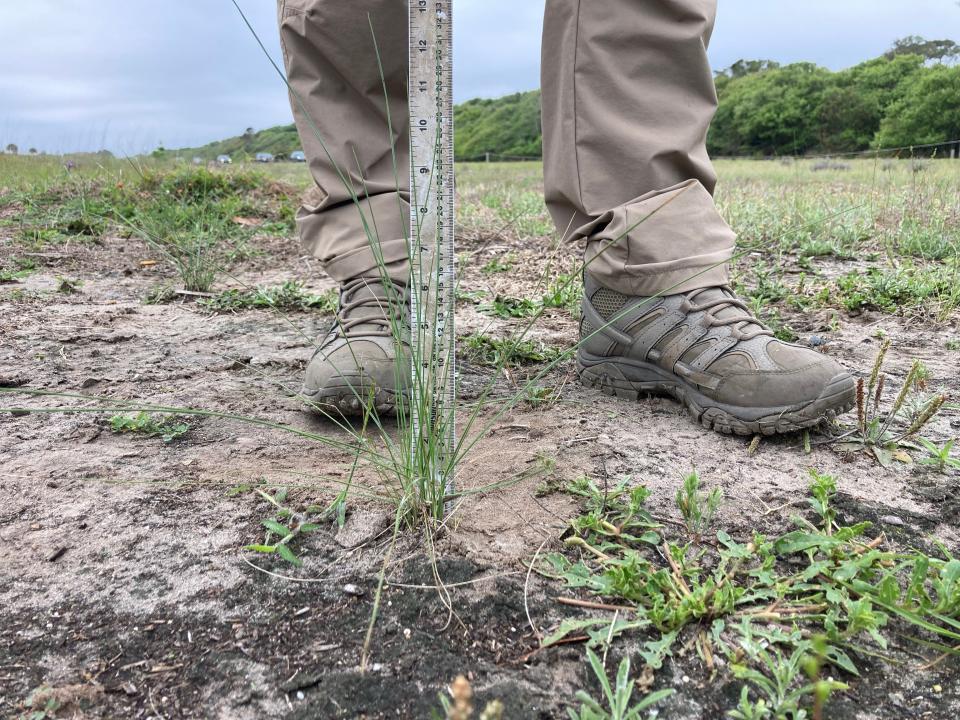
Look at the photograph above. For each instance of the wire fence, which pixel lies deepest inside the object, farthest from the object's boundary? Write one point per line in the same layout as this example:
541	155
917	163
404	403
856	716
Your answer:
496	157
945	149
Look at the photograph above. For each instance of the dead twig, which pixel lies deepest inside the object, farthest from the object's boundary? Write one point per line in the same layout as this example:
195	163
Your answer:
526	592
591	605
677	573
563	641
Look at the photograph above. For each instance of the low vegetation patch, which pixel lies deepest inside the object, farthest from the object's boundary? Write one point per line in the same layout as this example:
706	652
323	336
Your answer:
200	221
147	425
499	353
899	288
15	269
888	430
290	296
286	526
783	613
563	293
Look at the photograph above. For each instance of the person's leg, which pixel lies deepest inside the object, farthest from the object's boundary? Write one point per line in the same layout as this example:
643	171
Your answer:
355	217
627	99
337	96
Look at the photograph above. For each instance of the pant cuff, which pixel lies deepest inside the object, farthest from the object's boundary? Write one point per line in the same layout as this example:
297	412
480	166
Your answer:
352	241
364	262
670	280
669	241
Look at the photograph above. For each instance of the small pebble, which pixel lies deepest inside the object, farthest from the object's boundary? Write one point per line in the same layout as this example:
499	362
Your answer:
351	589
406	633
892	520
816	341
938	688
300	695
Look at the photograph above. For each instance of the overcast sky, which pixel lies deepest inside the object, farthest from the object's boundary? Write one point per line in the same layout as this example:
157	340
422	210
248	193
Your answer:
130	74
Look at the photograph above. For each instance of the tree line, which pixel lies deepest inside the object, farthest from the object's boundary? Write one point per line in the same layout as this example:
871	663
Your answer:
908	96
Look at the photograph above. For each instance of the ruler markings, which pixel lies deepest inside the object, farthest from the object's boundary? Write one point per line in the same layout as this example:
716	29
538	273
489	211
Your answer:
432	237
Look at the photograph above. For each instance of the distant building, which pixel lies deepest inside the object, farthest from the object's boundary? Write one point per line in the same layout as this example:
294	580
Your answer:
224	159
263	157
298	156
197	160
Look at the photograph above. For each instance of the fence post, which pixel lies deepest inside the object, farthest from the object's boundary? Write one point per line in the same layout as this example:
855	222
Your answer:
488	157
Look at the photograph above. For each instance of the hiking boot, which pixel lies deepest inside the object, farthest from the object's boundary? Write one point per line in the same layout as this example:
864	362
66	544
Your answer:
355	367
706	349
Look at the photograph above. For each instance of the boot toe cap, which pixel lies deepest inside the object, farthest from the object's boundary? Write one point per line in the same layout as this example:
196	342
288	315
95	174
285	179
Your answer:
354	376
820	379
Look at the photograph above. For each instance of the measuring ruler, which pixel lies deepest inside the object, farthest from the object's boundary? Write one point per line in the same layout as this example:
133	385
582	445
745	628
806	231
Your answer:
432	281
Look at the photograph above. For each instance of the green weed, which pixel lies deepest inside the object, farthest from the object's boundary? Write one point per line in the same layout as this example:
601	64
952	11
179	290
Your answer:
760	290
939	456
290	297
564	293
43	703
697	508
500	353
471	296
521	209
36	237
928	238
144	424
540	396
68	286
189	237
285	526
498	265
775	677
196	186
884	431
617	700
160	294
504	306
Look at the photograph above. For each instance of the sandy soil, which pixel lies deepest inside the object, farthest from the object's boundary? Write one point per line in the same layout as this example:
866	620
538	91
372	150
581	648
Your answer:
124	587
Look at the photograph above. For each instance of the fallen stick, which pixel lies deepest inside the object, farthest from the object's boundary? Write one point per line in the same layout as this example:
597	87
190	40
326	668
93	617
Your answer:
591	605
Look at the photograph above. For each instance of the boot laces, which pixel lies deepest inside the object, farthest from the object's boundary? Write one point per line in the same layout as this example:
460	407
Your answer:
726	309
369	307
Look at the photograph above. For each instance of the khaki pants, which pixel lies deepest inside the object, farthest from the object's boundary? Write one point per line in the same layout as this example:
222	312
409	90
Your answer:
627	98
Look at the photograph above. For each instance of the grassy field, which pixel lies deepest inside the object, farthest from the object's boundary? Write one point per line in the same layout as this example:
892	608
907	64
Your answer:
164	555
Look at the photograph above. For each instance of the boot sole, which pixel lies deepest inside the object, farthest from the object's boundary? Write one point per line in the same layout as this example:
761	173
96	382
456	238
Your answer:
344	398
632	379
